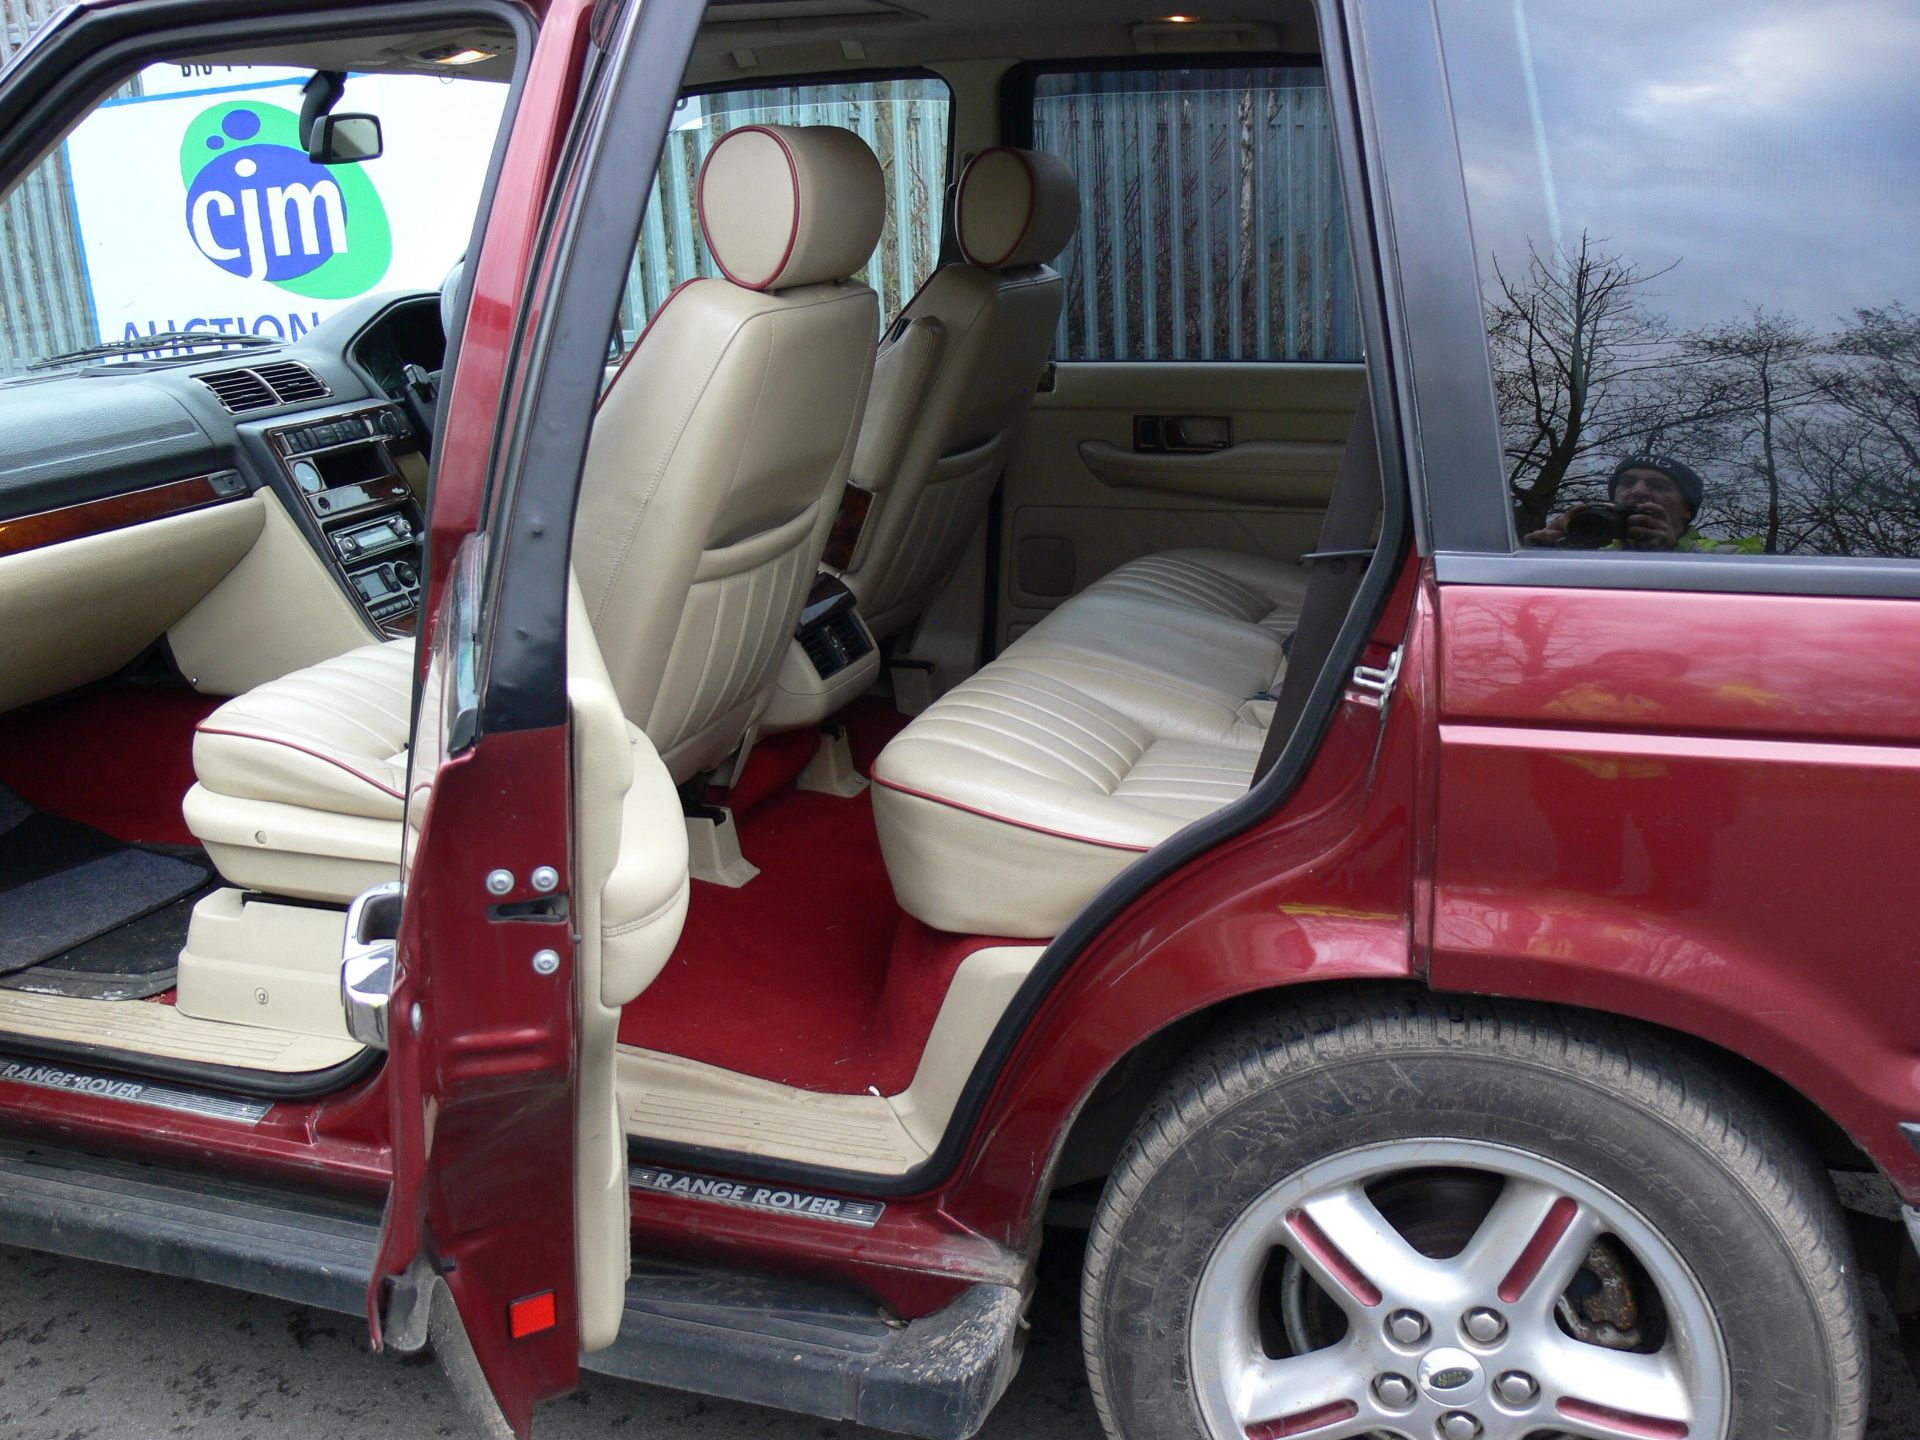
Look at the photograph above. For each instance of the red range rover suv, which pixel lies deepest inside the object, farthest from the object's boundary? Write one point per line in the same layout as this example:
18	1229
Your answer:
1294	630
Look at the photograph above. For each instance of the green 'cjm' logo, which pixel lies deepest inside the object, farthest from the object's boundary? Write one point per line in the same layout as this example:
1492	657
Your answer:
259	209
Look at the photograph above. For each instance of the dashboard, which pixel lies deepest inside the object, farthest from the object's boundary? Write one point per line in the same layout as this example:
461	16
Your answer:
333	424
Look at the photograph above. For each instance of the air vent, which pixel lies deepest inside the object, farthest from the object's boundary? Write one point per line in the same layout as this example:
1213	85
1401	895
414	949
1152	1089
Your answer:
285	382
239	390
836	644
292	381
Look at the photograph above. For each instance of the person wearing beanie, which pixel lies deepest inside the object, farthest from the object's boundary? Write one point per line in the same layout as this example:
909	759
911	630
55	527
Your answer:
1657	497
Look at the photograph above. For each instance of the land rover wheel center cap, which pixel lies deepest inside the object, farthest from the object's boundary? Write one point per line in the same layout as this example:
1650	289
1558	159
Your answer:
1452	1377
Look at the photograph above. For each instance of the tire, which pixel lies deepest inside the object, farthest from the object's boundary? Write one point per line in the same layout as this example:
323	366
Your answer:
1234	1268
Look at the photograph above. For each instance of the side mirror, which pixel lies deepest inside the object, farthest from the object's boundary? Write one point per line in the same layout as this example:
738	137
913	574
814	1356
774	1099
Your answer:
344	139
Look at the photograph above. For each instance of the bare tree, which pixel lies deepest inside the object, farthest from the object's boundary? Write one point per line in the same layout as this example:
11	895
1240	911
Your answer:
1860	444
1746	387
1570	342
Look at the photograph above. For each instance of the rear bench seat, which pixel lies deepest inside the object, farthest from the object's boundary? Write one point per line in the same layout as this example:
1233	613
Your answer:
1136	707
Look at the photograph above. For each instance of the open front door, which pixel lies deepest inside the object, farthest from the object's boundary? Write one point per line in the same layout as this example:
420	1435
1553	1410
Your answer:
506	1239
478	1250
544	877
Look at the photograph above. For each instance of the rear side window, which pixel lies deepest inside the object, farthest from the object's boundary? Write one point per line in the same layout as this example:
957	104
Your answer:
1696	257
906	121
1211	223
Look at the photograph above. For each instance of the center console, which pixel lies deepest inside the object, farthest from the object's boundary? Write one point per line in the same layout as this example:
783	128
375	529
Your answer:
345	470
831	658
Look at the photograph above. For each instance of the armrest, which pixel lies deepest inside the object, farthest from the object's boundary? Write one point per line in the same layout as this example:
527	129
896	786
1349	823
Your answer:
1258	472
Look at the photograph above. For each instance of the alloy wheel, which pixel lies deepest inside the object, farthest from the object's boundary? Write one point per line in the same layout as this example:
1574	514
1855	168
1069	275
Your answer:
1452	1290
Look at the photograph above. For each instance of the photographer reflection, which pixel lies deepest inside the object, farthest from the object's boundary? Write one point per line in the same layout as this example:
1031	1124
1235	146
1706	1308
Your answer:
1651	503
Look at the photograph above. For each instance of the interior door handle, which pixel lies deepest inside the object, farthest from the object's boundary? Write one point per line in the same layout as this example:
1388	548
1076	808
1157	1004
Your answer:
1181	434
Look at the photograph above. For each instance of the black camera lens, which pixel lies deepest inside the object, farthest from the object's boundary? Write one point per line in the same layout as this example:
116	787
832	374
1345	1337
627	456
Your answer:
1594	527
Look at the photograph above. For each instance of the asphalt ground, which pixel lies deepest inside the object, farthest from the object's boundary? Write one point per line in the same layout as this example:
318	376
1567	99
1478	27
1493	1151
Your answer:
88	1352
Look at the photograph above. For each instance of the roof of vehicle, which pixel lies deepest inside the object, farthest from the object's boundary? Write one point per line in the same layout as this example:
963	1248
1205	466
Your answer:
740	39
794	36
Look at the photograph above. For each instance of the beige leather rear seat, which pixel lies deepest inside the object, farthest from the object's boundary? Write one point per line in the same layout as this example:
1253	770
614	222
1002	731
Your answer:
1137	707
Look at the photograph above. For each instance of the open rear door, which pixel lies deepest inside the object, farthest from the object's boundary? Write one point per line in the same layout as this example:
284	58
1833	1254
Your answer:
533	808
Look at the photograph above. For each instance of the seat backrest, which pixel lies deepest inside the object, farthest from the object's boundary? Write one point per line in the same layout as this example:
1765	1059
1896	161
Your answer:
953	381
721	447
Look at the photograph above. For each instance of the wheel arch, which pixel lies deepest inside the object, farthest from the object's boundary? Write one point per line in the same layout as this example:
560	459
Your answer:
1114	1105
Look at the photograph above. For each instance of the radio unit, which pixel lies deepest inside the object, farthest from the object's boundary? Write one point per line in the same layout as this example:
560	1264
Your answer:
367	425
357	542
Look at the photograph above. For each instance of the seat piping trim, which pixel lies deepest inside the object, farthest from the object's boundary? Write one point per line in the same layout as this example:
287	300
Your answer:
1033	204
700	205
1008	820
384	789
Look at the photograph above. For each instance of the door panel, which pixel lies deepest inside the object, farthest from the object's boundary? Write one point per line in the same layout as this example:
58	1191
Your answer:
481	1070
1696	808
630	897
1122	459
533	907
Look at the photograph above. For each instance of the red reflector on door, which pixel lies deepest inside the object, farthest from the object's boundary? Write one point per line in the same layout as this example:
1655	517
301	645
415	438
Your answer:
531	1315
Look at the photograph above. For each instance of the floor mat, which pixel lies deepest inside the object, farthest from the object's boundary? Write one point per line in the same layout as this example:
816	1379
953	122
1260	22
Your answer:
116	756
63	884
136	961
810	975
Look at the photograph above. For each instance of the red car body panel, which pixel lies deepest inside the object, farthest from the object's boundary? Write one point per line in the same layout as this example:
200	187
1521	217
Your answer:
483	1091
1696	809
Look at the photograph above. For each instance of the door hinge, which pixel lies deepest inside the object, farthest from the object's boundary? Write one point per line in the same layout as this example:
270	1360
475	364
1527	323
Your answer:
1379	681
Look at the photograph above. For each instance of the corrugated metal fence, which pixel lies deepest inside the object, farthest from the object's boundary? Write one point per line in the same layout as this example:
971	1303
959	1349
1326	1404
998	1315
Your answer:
44	304
1212	226
906	123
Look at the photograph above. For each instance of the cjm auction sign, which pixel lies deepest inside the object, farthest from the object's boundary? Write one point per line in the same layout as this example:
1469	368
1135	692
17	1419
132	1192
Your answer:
200	209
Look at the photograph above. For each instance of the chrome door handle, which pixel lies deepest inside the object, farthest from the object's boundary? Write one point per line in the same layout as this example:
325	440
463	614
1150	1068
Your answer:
367	960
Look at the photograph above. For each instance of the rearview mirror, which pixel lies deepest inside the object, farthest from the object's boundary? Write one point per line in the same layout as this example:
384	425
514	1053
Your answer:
344	139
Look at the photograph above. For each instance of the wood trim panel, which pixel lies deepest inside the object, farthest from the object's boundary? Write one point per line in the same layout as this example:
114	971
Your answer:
843	541
112	512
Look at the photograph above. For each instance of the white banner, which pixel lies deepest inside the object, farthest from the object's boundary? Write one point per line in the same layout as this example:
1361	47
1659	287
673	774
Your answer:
199	210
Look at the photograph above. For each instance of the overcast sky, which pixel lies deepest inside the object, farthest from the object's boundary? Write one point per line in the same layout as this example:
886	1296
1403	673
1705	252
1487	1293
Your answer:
1770	147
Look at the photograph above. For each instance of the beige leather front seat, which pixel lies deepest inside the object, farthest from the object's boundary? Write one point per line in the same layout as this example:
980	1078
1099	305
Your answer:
953	381
721	448
301	782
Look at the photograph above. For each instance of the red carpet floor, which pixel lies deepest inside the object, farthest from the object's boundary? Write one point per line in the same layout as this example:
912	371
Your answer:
809	975
116	757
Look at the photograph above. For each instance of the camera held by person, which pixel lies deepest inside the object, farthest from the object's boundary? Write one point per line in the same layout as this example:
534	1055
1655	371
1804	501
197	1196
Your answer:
1651	502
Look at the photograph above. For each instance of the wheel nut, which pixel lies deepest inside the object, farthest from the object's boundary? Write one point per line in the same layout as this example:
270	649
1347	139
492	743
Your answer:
1407	1327
1459	1425
1516	1388
1393	1391
1484	1326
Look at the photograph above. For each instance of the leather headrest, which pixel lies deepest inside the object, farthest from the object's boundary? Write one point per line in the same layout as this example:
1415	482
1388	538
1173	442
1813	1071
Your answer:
1015	208
784	205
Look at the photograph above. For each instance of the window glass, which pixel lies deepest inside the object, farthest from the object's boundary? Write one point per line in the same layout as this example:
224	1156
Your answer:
1702	295
1211	223
186	203
906	123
